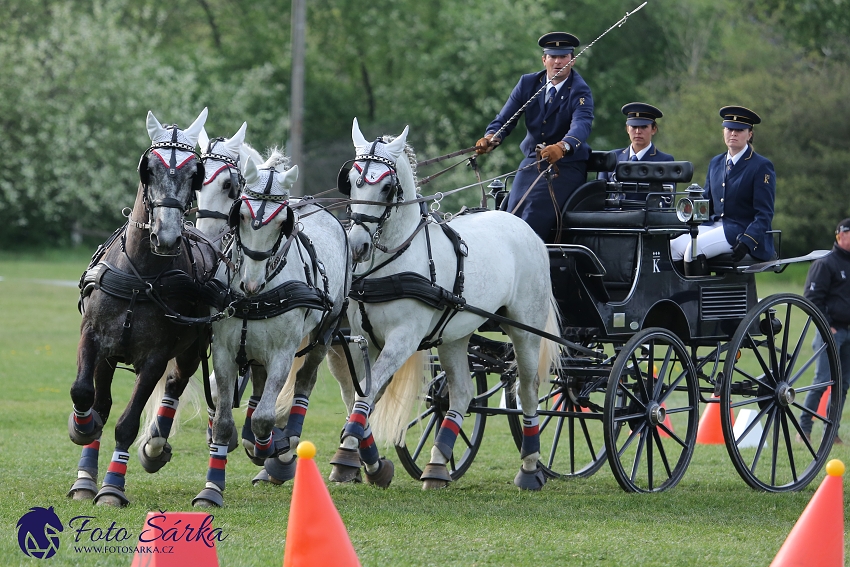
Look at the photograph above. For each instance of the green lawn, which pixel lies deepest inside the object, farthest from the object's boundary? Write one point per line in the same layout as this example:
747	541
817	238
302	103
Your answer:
710	518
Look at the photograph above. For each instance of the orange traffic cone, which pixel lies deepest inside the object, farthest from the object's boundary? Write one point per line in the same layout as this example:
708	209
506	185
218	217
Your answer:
177	539
315	534
823	406
818	536
710	432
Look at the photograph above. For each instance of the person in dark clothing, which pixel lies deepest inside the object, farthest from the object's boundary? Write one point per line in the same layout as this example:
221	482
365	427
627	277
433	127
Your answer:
828	287
641	125
559	118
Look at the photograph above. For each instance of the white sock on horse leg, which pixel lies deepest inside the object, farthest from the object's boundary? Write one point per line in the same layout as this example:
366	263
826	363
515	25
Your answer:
529	462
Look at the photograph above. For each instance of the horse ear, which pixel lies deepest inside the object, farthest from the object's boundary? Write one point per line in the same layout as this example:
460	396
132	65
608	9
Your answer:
290	176
155	129
357	136
203	140
234	143
193	131
396	147
252	176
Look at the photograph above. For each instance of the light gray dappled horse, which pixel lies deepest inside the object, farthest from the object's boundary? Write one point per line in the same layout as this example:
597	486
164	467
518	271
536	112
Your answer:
289	284
494	254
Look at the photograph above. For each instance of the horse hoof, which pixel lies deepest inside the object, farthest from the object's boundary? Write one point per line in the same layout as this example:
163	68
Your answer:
263	477
435	475
346	464
250	452
279	472
83	489
153	464
111	496
208	498
384	475
533	480
83	438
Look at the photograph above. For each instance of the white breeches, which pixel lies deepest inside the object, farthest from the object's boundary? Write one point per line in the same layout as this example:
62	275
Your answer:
711	241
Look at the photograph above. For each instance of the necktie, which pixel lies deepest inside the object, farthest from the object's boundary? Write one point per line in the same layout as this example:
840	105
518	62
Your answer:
728	165
633	158
551	95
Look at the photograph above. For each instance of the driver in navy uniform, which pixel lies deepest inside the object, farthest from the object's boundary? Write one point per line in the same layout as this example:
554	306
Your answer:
560	119
741	189
641	126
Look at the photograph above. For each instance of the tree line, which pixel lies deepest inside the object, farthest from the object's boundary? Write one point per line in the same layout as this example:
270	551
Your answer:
79	78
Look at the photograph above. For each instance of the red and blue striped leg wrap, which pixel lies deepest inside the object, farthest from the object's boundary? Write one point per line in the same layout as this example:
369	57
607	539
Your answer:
117	469
368	448
530	435
89	458
295	423
264	447
447	435
247	434
356	426
165	417
83	421
218	459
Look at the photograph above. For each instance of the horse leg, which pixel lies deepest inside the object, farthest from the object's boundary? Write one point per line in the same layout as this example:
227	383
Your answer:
453	359
155	452
281	467
223	428
338	366
526	347
358	443
111	492
258	384
85	487
85	424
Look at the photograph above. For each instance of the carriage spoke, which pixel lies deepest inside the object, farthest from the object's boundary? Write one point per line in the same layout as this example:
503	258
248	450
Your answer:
751	401
790	449
809	362
775	370
462	434
801	340
663	453
760	358
762	440
673	435
630	395
425	434
638	452
672	387
555	438
813	413
799	430
587	439
659	384
649	463
639	377
752	425
775	449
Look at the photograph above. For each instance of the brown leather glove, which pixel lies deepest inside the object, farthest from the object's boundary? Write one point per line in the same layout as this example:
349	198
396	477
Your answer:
486	144
553	152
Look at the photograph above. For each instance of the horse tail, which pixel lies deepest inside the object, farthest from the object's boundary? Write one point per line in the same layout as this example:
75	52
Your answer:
550	352
283	404
392	412
191	396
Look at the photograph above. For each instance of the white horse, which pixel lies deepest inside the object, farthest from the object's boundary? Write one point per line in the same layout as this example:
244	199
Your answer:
505	266
290	282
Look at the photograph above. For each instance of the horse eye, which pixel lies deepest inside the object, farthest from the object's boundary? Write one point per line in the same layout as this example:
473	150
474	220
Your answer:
227	184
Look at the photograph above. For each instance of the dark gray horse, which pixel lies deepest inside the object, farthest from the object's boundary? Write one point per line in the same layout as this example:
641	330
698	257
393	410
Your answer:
139	293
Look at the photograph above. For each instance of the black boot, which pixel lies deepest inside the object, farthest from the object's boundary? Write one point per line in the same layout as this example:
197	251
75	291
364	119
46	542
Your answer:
698	267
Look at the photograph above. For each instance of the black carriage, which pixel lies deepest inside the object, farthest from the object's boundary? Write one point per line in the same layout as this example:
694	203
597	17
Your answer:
644	344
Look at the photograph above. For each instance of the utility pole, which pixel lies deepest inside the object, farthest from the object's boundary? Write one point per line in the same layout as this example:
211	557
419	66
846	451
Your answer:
296	109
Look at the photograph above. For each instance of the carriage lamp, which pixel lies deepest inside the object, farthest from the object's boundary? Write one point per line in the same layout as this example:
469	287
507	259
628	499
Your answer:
497	191
685	209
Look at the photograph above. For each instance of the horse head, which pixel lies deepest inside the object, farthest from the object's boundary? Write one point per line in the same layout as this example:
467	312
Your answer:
170	173
223	179
261	220
381	172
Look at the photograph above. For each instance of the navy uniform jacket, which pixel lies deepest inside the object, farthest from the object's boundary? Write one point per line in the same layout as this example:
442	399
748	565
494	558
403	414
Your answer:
744	201
652	154
569	117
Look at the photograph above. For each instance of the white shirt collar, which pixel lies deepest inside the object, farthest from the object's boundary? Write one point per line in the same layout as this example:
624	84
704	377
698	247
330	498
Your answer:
737	156
641	153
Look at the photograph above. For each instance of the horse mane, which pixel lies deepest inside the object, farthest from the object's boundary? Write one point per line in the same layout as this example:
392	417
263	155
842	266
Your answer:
277	159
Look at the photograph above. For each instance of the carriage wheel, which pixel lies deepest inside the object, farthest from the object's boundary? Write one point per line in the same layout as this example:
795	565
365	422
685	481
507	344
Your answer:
571	441
415	453
769	374
651	412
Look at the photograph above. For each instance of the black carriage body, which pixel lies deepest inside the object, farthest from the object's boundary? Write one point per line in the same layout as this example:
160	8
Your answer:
614	274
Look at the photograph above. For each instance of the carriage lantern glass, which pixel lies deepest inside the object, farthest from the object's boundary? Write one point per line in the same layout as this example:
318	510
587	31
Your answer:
685	209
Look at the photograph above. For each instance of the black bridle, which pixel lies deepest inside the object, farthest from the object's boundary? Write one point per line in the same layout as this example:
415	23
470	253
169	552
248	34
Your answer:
395	196
237	181
167	202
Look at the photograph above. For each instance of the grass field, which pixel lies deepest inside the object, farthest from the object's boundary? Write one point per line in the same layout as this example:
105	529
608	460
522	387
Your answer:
710	518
